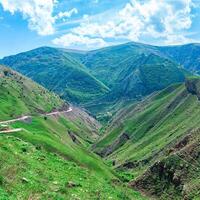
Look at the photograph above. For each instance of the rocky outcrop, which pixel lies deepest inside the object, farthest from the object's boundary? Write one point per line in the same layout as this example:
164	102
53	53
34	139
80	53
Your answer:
173	174
193	86
160	176
73	137
120	141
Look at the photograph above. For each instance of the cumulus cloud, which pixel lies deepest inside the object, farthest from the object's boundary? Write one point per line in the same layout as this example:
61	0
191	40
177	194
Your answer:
76	41
37	12
163	20
167	21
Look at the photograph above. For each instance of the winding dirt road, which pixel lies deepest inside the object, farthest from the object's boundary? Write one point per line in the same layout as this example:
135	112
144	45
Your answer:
12	130
58	112
15	120
28	117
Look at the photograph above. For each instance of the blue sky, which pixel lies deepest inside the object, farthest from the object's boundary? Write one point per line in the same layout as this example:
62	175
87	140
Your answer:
91	24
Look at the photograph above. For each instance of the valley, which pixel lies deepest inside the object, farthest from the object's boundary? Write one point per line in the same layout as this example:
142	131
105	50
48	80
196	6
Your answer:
119	122
49	148
100	81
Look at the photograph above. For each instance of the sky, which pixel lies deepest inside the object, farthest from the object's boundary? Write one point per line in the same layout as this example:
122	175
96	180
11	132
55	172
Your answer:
93	24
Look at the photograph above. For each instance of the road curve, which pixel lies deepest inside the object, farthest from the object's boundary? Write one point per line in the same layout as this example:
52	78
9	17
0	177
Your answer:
59	112
27	117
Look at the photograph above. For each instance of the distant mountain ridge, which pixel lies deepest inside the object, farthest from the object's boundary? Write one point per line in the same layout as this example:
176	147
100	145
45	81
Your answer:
59	72
108	75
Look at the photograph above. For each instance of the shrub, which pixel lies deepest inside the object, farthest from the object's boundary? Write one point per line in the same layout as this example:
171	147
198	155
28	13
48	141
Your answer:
1	180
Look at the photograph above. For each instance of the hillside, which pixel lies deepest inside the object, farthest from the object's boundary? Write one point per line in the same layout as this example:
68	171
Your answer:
114	64
177	175
20	96
59	72
187	55
146	137
44	155
131	71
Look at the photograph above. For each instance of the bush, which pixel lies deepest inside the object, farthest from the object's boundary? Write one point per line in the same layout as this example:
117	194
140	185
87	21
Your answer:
1	180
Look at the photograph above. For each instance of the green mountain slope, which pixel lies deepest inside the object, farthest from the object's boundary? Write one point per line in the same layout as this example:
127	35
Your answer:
106	78
59	72
177	175
147	74
20	96
131	71
186	55
45	156
142	134
113	64
29	173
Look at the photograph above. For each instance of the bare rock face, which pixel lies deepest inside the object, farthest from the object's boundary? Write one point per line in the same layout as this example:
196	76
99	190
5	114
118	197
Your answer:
193	86
120	141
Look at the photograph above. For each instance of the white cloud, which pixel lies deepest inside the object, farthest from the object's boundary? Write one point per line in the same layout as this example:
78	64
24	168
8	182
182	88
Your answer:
157	19
164	20
66	14
76	41
37	12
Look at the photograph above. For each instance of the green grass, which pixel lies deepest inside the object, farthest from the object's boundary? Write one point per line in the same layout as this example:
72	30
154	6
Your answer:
53	135
41	161
154	125
21	96
28	172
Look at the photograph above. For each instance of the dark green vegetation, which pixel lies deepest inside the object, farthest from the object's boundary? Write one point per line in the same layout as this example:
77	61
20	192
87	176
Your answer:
102	80
128	64
59	72
131	71
156	142
187	55
48	157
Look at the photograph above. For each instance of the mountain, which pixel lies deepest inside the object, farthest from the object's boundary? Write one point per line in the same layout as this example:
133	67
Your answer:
107	75
113	64
186	55
59	72
177	175
155	143
131	71
45	144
